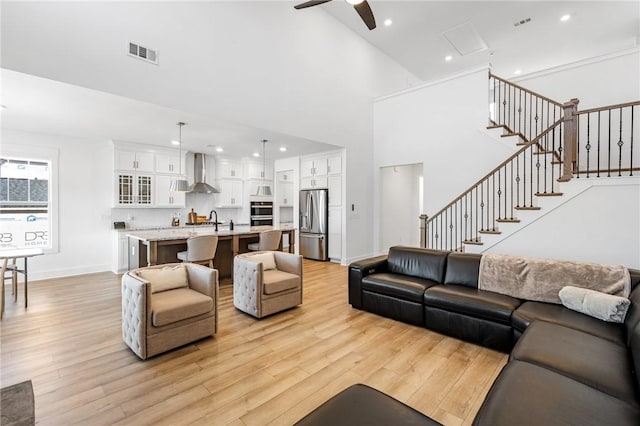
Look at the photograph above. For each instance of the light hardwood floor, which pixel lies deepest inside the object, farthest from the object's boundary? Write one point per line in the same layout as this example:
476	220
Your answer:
253	372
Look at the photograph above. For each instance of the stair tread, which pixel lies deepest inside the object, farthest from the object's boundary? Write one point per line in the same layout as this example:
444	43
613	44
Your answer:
548	194
473	242
495	126
513	220
490	231
527	208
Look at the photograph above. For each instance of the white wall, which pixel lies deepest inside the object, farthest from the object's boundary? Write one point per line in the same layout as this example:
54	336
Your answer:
85	181
596	82
262	64
600	225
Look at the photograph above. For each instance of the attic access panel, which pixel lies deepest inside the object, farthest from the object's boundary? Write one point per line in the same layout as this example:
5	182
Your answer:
465	39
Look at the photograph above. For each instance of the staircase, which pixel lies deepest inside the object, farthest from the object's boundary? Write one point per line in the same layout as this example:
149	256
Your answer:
556	144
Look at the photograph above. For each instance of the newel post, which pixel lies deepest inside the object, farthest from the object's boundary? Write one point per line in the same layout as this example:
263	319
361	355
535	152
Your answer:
424	237
570	139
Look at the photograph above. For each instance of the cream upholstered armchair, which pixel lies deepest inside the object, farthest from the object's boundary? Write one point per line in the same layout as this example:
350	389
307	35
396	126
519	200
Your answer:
167	306
267	282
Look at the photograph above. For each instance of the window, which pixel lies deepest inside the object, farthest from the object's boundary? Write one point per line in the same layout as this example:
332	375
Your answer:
25	203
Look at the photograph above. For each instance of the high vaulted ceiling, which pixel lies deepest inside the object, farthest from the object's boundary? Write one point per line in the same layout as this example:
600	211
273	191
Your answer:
312	58
416	38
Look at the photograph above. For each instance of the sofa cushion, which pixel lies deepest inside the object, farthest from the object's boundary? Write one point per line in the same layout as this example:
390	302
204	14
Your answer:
464	300
525	394
589	359
558	314
172	306
276	281
396	285
163	279
463	269
417	262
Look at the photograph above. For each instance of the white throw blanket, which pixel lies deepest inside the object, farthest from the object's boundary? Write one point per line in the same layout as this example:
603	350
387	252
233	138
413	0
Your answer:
541	279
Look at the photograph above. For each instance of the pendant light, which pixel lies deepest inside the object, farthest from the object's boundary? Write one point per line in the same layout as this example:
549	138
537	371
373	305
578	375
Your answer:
180	185
264	189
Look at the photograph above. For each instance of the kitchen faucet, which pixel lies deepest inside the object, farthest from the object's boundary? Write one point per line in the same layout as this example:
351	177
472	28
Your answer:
216	220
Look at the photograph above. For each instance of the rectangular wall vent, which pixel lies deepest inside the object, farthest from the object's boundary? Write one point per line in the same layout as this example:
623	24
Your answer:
144	53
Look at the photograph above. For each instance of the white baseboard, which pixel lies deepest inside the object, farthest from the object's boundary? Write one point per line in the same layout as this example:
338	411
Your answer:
68	272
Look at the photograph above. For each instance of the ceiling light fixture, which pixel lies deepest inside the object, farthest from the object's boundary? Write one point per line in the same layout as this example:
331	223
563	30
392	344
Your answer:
175	143
388	22
181	184
219	149
264	189
256	154
448	58
565	18
283	149
517	72
354	2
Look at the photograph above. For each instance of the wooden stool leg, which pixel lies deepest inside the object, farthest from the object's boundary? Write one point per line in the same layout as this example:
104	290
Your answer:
4	269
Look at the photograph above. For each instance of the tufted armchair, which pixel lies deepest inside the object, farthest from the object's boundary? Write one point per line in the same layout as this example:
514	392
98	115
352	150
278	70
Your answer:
166	306
267	282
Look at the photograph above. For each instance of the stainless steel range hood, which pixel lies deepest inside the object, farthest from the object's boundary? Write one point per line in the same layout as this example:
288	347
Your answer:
200	186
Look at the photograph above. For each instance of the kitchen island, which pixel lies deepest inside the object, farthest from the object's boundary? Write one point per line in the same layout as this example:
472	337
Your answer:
162	246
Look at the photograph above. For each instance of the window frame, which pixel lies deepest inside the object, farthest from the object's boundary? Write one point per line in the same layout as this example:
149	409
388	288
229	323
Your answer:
38	153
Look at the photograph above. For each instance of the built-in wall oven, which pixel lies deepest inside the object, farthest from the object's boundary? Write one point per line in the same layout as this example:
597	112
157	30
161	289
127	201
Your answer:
261	213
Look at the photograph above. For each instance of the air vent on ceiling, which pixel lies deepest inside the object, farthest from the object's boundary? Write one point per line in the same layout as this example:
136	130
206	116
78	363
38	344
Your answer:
144	53
522	22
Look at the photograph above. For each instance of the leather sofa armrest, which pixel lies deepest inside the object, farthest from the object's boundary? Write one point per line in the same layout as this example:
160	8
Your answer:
358	271
136	293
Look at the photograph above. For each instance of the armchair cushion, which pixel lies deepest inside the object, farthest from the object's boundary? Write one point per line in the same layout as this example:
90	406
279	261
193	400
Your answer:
163	279
276	281
171	306
266	258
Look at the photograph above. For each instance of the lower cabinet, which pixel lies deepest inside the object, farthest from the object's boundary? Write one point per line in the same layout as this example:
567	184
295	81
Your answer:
120	252
335	233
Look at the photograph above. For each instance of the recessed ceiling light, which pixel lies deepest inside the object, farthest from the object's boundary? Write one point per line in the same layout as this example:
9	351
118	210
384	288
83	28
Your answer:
219	149
388	22
256	154
354	2
448	58
517	72
175	142
565	18
283	149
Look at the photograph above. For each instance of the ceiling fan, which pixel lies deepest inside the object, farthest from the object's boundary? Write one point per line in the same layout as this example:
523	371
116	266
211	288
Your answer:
361	6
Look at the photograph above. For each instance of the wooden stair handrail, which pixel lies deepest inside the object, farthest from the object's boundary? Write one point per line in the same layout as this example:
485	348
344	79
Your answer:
525	89
606	108
495	170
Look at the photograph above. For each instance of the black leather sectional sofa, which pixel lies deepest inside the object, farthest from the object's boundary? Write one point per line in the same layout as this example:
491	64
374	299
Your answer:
564	367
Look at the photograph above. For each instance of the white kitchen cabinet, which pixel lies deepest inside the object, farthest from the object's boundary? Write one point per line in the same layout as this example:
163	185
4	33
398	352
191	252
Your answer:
285	193
312	167
334	165
134	161
254	171
334	183
313	182
134	190
285	176
120	252
168	164
335	233
230	193
227	169
163	196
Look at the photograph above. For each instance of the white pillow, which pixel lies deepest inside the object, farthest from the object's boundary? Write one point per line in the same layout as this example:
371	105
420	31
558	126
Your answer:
167	278
266	258
606	307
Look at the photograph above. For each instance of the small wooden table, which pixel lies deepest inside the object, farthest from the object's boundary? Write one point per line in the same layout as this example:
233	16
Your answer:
25	254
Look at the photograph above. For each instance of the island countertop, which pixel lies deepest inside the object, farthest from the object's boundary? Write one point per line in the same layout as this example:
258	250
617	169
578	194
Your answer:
152	247
193	231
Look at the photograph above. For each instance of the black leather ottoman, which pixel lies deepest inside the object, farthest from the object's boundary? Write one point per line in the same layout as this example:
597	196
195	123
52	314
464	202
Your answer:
362	405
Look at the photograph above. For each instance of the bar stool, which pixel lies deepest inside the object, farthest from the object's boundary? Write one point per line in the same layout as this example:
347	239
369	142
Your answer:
200	250
269	241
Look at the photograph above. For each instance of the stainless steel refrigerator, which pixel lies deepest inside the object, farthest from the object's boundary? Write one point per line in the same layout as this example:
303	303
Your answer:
314	221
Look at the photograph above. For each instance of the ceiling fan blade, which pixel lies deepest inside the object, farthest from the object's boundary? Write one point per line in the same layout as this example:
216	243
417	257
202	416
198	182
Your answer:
310	3
364	10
